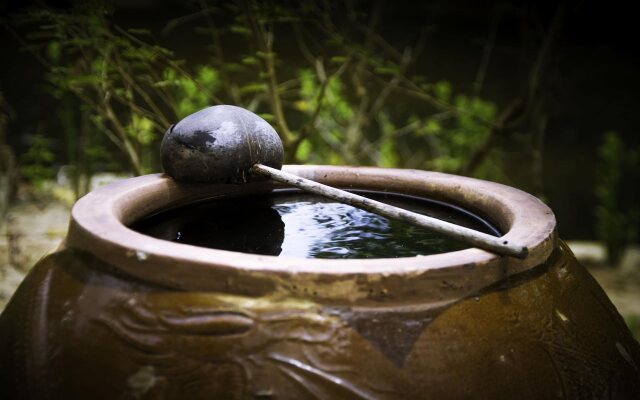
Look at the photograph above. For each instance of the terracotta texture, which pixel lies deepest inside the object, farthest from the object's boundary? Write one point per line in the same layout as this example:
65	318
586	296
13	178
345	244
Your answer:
115	314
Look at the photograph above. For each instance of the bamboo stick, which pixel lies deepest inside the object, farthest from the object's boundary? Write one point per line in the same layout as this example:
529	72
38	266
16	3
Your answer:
478	239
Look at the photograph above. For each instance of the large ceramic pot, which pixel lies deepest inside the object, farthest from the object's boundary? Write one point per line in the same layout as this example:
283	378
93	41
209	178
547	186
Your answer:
114	314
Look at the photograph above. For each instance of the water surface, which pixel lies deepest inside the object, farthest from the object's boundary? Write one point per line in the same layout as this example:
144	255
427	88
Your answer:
293	224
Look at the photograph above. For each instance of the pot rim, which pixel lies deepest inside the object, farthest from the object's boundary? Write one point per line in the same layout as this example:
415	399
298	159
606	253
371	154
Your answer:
99	226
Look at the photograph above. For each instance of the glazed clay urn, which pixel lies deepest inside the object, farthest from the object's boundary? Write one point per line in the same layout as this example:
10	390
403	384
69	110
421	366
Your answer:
117	314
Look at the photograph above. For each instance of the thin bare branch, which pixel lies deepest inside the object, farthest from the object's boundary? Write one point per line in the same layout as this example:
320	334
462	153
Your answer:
487	51
395	81
229	87
310	128
24	44
302	45
265	40
189	18
480	152
141	92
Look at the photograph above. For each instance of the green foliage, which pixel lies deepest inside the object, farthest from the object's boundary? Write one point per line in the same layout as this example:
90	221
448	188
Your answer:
336	111
388	150
191	93
442	90
447	139
140	129
333	112
132	91
36	162
616	220
453	137
342	122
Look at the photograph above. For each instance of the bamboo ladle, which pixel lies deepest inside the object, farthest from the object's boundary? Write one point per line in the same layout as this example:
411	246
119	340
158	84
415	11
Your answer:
228	144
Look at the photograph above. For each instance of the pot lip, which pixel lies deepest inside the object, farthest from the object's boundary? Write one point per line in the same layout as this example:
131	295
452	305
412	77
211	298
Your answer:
99	226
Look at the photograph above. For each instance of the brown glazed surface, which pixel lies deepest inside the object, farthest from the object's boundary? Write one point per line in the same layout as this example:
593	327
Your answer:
117	315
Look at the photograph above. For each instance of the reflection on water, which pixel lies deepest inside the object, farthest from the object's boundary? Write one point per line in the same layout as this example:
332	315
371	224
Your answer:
290	224
330	230
245	225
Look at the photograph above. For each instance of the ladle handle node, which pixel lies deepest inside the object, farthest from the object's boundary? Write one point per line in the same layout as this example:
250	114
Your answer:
478	239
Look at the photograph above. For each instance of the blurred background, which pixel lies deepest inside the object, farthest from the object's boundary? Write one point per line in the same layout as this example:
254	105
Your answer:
542	97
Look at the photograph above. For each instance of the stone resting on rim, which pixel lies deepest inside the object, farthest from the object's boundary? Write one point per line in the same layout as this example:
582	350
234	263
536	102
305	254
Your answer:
228	144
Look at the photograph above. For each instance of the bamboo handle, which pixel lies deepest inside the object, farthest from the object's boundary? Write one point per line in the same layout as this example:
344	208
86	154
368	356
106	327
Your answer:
478	239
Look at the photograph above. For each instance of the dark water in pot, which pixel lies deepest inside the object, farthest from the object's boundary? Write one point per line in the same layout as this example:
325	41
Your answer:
289	223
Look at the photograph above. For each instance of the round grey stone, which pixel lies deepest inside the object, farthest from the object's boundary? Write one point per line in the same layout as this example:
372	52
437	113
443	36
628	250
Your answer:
220	144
